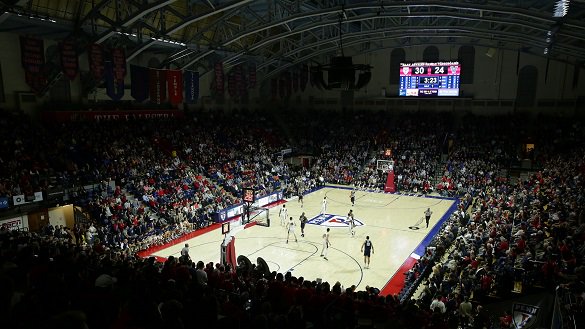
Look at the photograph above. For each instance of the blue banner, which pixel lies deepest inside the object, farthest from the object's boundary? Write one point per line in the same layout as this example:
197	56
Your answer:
3	203
114	87
191	84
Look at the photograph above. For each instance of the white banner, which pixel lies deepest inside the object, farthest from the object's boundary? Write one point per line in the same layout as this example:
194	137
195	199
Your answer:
21	199
18	199
16	223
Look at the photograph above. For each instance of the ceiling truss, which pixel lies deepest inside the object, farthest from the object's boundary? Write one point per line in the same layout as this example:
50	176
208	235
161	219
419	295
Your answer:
278	34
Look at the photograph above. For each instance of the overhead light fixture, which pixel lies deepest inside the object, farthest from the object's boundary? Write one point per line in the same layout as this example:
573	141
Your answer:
561	8
178	43
341	71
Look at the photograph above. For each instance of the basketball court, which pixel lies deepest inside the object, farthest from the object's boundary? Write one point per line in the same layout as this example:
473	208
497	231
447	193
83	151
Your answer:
394	222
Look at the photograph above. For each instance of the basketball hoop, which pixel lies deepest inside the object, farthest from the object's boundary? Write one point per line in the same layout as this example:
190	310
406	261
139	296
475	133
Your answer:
385	165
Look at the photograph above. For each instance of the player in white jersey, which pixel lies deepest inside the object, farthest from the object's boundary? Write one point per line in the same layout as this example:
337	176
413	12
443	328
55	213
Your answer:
324	205
291	230
352	197
351	223
326	244
283	213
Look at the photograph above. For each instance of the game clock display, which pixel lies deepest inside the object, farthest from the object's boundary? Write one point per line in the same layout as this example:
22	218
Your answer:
423	79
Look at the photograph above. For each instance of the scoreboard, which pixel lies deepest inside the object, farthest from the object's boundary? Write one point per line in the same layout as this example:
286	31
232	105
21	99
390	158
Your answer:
423	79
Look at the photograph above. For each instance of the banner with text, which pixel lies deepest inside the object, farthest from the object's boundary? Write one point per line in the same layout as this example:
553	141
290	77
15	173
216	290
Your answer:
67	116
32	52
95	56
114	86
191	86
218	69
19	223
175	83
158	86
69	62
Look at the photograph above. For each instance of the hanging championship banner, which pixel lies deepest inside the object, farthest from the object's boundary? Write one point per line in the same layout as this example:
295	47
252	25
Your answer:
219	78
32	52
95	56
158	86
114	87
69	61
304	78
36	81
139	83
252	76
191	80
119	62
232	84
175	83
240	83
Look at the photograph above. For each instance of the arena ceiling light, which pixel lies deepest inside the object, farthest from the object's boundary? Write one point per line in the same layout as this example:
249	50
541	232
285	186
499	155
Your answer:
561	8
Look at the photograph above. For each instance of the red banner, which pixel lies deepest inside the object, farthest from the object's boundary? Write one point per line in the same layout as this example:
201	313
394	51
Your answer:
32	52
231	81
119	62
95	56
158	86
65	116
175	81
69	62
219	78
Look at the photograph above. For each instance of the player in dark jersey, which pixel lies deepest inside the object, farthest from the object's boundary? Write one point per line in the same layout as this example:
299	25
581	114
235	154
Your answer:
367	248
300	194
303	220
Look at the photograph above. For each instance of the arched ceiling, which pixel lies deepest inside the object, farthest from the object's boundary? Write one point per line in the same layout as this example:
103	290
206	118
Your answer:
277	34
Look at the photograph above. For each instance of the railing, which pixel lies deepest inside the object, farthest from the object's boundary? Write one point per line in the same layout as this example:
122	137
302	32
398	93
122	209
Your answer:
566	313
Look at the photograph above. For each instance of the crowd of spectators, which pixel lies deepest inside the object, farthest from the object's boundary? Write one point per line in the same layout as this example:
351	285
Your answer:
171	176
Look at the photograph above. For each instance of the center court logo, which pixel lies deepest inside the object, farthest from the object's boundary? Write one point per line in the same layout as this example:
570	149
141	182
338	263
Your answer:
329	220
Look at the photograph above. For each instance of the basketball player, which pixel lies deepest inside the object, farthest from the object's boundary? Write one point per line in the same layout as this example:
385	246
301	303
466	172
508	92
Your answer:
367	247
291	229
324	205
351	222
303	220
283	215
352	197
300	193
326	244
428	214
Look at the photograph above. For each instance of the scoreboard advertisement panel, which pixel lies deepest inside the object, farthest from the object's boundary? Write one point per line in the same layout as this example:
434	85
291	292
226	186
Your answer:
423	79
